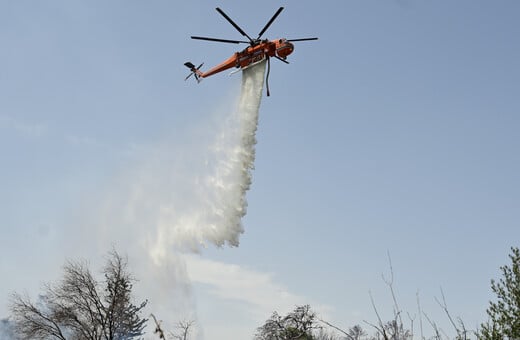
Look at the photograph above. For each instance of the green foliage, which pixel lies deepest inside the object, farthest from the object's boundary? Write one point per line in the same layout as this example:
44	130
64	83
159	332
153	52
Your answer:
504	314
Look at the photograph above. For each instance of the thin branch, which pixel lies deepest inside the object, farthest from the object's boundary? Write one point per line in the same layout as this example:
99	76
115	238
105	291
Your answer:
444	307
420	315
382	329
158	329
390	284
411	322
338	329
434	326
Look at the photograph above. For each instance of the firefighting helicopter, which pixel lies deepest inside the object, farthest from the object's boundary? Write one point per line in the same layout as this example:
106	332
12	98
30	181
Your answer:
257	51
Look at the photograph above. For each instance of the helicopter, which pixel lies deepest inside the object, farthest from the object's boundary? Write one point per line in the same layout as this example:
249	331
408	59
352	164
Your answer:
258	50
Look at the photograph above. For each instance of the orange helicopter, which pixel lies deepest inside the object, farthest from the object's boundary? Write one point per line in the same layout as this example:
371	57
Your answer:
257	51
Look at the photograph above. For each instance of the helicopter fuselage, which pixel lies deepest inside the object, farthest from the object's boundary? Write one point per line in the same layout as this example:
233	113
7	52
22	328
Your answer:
253	54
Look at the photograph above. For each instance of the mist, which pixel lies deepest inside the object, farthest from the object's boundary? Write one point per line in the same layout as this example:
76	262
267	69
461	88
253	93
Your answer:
177	199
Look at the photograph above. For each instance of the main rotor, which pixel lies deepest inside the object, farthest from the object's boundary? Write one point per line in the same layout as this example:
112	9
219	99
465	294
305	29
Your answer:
251	41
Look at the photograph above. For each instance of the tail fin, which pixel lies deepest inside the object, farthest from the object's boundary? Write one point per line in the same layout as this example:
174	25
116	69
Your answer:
194	71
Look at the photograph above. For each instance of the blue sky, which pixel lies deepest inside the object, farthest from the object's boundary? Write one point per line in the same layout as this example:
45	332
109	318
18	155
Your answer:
396	132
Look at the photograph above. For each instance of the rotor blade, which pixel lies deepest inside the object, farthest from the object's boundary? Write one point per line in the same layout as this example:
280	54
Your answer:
220	40
302	39
188	77
285	61
270	22
234	24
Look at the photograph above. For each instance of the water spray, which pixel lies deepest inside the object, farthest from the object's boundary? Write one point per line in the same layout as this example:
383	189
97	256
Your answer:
219	201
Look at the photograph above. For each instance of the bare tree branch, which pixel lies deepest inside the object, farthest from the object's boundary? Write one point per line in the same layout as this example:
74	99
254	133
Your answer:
82	308
444	307
420	315
390	284
338	329
183	329
158	329
381	327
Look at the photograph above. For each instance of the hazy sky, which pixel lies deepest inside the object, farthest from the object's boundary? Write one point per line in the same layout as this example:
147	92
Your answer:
396	132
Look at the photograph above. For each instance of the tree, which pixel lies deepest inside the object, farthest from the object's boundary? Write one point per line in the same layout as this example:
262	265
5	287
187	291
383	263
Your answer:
79	307
297	325
356	333
183	329
504	315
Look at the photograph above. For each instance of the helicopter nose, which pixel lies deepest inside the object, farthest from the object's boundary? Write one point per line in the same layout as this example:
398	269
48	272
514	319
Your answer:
285	49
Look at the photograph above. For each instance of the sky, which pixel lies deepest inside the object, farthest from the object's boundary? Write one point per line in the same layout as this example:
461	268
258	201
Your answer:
393	135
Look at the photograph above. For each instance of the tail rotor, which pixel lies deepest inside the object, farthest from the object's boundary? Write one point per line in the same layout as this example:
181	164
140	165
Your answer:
195	71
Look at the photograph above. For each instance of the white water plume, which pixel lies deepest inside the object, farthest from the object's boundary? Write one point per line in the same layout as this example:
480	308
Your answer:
218	196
